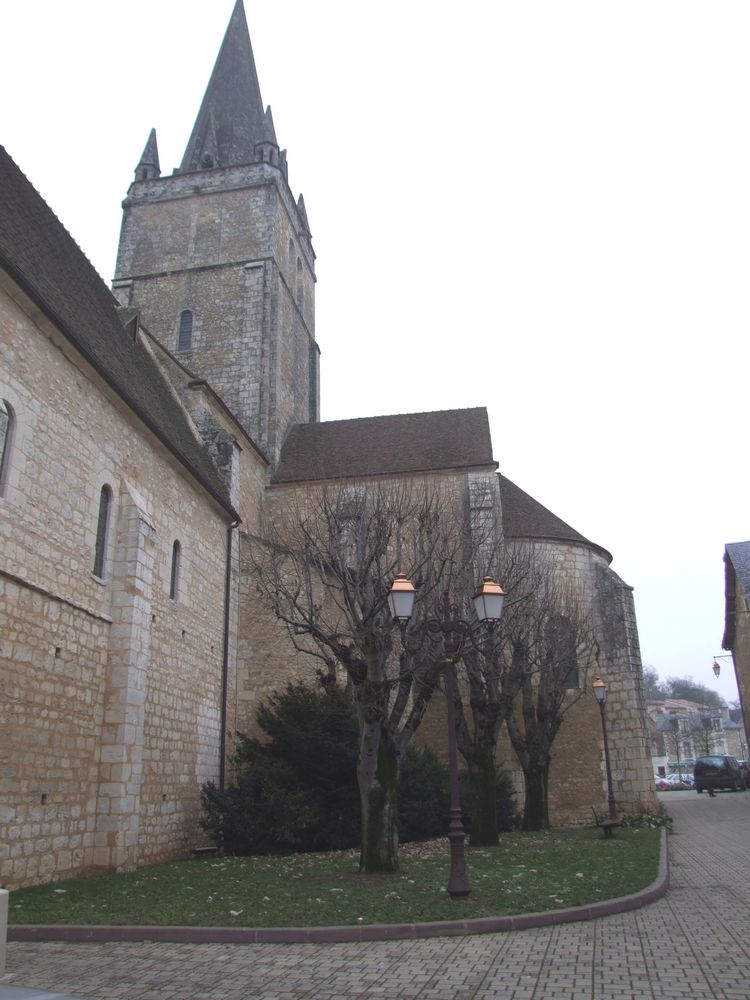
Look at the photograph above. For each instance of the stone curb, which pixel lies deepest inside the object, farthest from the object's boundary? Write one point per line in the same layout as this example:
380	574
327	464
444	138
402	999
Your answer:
360	932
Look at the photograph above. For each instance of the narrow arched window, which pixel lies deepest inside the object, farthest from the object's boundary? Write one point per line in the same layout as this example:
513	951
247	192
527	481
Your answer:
185	338
102	531
300	290
7	422
174	579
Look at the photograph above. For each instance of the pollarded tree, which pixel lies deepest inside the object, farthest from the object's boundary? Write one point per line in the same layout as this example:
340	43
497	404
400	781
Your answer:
528	673
551	648
325	563
479	718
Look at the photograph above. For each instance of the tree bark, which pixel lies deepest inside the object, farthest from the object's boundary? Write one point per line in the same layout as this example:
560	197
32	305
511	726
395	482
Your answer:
377	773
482	788
535	810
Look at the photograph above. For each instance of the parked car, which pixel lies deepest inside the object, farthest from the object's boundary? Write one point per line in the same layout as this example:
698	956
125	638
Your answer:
680	780
672	782
718	771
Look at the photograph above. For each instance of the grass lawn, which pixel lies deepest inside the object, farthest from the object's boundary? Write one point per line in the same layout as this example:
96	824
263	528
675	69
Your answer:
526	873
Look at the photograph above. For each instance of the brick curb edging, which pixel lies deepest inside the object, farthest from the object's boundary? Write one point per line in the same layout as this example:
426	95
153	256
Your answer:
360	932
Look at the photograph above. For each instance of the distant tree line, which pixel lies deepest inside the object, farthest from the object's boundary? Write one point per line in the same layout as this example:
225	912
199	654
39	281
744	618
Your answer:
679	687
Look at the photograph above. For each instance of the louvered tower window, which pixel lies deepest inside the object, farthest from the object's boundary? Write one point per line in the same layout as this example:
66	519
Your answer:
185	338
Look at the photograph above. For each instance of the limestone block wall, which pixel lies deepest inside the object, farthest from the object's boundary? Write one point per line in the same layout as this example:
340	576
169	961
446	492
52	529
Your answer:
741	650
110	689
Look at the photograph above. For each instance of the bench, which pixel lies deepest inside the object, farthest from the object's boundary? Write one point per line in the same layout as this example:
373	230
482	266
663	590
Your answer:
203	852
608	825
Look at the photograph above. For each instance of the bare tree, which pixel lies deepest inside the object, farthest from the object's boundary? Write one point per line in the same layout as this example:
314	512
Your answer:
325	563
529	676
479	719
675	743
700	726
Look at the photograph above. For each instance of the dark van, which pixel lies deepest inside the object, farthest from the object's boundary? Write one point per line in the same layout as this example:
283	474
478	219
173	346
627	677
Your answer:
718	771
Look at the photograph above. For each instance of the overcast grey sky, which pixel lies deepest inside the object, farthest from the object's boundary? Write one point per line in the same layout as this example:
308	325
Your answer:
538	207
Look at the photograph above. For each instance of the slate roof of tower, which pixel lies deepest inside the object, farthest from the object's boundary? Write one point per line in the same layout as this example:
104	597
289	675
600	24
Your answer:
231	119
372	446
737	561
525	517
46	262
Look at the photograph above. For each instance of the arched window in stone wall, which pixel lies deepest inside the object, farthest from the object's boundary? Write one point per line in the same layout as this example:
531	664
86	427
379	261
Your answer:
102	531
185	337
174	577
561	643
7	426
300	289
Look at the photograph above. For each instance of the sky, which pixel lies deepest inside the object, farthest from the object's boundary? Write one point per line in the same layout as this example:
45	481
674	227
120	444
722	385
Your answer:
538	207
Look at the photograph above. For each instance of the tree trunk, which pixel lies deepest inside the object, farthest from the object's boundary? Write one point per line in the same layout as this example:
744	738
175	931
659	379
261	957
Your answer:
535	810
377	773
483	790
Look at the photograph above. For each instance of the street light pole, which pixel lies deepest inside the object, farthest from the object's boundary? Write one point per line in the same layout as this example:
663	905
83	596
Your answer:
453	632
600	690
458	883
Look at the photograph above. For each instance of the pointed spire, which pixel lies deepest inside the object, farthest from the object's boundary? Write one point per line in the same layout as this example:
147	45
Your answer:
303	214
269	132
148	165
232	107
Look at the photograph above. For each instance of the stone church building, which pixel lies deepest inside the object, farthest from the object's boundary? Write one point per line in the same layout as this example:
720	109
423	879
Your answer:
142	431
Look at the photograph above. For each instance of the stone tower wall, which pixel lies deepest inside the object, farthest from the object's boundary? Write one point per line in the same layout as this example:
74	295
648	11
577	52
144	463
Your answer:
228	244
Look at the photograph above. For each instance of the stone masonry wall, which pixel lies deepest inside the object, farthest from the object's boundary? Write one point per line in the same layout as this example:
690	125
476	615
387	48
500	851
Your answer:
741	650
110	689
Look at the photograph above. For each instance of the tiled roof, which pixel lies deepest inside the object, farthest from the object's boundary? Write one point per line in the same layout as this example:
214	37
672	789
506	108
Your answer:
43	259
525	517
372	446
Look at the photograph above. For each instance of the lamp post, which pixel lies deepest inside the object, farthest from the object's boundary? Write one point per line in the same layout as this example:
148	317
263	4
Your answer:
600	690
453	632
716	666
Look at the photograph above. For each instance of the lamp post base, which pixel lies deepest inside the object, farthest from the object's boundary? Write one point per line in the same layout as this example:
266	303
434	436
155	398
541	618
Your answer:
458	883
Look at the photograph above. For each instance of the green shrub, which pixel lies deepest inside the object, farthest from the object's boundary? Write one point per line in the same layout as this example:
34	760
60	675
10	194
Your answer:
505	799
296	790
422	796
648	819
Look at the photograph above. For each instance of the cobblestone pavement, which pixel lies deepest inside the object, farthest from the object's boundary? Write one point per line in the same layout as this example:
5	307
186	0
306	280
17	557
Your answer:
695	942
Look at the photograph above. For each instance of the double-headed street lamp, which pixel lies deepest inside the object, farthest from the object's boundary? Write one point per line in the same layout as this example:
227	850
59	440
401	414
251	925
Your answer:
453	632
600	690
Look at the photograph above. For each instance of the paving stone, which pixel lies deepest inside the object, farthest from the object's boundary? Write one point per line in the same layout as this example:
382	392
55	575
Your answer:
693	943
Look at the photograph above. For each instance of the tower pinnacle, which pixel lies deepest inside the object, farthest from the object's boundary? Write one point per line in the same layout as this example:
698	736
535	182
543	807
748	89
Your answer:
148	165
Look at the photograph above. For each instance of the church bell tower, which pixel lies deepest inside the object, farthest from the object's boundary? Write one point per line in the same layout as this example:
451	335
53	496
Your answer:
218	255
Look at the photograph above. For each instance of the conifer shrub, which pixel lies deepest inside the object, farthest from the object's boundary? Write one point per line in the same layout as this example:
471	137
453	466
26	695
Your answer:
296	788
